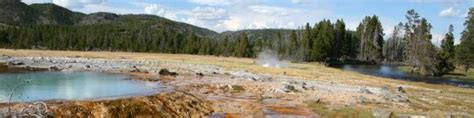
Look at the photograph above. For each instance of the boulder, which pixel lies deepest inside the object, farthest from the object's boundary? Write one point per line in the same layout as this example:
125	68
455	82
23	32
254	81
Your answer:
289	88
400	89
16	63
166	72
365	91
378	113
200	74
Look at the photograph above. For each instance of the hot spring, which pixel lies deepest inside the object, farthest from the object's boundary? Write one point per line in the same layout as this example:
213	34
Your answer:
46	85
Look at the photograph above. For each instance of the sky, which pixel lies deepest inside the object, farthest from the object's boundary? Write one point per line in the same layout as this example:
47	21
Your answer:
231	15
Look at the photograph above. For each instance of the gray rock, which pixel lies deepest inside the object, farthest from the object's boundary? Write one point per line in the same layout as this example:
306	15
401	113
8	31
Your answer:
365	90
289	88
400	89
362	100
378	113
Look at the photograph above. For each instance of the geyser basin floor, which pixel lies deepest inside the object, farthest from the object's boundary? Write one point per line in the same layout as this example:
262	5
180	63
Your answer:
39	86
242	87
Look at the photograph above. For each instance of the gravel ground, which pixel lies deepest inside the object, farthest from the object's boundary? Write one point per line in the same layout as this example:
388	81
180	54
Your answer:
232	91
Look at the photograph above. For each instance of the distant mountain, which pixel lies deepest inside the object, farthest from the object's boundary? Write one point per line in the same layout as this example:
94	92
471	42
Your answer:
55	15
15	12
49	26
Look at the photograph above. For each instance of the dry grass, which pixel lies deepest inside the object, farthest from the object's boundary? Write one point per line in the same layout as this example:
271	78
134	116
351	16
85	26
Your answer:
342	112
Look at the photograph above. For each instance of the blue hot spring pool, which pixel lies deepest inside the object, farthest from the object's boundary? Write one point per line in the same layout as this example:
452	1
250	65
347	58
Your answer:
46	85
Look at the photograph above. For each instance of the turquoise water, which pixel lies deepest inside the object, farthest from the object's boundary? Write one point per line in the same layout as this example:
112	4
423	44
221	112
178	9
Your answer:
40	86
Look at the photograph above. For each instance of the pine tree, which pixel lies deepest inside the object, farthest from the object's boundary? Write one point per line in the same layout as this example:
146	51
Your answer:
421	53
370	33
3	38
243	47
351	45
322	45
465	50
448	42
413	19
395	46
339	40
445	57
307	42
294	45
425	53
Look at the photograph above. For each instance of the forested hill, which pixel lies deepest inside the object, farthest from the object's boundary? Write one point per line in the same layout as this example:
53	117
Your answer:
15	12
49	26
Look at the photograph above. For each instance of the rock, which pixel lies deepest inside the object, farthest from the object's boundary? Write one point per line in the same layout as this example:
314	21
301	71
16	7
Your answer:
289	88
399	98
395	97
361	100
317	99
16	63
378	113
4	57
54	68
166	72
401	90
135	70
88	66
365	91
200	74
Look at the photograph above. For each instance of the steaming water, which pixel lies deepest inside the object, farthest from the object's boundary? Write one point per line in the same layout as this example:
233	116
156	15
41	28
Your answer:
70	86
268	58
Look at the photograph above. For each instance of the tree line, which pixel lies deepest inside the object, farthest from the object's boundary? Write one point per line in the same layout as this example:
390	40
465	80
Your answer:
410	44
325	41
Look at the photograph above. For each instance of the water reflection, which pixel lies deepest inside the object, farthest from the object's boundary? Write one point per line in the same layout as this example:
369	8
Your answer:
393	71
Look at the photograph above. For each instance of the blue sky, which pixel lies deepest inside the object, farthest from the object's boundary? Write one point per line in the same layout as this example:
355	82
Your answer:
223	15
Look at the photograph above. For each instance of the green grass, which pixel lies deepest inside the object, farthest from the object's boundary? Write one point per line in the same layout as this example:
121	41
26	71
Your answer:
457	73
405	69
344	112
460	74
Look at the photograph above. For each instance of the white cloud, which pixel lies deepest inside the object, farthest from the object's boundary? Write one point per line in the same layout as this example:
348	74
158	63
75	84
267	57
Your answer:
208	17
208	13
211	2
233	23
35	1
155	9
272	10
300	1
449	12
77	3
218	15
